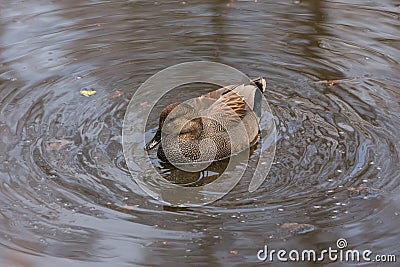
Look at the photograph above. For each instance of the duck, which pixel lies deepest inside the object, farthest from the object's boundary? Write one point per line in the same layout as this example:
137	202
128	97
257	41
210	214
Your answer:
211	127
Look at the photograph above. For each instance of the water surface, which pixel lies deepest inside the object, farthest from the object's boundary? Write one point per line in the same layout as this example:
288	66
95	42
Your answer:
333	86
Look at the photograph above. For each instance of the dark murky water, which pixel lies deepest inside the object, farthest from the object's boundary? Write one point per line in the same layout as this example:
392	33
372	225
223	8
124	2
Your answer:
333	72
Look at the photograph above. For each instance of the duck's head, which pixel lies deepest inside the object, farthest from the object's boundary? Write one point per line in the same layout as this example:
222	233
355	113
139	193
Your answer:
177	119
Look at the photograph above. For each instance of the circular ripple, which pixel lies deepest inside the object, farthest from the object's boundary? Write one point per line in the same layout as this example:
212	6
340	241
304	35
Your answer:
333	88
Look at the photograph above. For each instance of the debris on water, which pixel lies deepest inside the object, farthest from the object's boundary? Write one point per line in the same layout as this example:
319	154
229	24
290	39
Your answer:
298	228
332	83
228	5
148	244
88	92
363	192
234	252
117	94
57	144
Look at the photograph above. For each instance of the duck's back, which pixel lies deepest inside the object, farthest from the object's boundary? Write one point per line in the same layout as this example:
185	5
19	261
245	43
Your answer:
230	117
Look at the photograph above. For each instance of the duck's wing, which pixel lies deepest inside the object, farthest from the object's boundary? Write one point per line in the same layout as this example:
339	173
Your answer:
216	102
233	105
233	101
253	94
216	94
230	107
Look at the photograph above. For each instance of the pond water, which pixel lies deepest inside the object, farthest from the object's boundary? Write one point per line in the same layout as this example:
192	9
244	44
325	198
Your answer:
333	86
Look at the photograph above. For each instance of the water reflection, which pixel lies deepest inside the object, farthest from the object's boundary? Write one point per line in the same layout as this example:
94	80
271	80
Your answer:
66	195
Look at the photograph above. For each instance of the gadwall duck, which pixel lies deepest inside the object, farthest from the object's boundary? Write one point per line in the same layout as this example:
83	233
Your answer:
186	129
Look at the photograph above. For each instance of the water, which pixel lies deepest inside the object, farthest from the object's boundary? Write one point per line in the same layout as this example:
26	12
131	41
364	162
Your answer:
333	85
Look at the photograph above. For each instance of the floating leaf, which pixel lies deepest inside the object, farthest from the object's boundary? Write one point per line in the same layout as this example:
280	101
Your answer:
88	92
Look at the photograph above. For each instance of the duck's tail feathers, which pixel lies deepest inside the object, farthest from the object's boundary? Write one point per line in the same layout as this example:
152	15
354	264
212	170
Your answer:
261	83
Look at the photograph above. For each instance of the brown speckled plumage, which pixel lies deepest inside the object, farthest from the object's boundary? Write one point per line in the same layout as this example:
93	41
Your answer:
186	128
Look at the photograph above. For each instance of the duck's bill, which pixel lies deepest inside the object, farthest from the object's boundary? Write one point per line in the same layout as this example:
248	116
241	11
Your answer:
153	142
